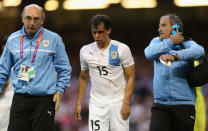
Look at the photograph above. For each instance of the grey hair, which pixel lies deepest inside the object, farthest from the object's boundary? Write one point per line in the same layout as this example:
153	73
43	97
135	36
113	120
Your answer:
175	19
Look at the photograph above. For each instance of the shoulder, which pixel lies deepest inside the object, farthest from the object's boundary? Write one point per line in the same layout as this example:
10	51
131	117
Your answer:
156	39
121	46
88	47
118	44
14	35
189	42
51	34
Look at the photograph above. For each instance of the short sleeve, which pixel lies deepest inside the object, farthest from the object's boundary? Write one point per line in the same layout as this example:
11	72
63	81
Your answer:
126	56
83	64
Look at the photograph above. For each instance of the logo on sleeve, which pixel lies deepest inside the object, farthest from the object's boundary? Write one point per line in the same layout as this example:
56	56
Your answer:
91	53
46	43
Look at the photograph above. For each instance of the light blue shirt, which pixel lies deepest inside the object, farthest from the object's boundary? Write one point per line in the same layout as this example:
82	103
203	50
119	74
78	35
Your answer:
51	58
170	85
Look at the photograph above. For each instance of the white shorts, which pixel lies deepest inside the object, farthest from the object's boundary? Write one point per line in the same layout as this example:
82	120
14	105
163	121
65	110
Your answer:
107	117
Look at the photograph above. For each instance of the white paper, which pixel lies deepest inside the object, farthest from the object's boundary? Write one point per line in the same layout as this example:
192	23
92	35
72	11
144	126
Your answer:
168	64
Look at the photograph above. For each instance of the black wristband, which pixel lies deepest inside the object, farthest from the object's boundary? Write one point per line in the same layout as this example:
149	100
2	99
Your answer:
175	57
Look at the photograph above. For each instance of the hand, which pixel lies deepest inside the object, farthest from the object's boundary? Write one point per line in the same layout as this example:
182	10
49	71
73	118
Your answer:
4	88
177	39
167	58
125	111
77	113
57	100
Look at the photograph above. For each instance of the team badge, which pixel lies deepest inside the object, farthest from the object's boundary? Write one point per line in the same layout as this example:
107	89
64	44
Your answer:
114	54
46	43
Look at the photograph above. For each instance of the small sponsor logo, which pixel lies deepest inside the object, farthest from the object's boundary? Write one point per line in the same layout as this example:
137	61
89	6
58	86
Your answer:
192	117
49	112
91	53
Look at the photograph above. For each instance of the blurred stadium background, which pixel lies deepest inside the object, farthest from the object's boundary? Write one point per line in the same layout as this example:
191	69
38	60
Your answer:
134	22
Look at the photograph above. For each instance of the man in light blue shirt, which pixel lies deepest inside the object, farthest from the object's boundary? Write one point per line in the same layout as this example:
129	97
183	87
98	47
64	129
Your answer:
173	56
38	57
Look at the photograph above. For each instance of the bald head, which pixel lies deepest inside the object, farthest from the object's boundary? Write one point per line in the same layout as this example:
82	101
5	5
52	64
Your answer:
32	17
33	6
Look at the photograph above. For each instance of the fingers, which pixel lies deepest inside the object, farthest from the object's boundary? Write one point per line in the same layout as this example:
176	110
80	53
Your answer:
77	116
125	116
57	100
167	58
179	33
125	111
177	39
57	105
77	113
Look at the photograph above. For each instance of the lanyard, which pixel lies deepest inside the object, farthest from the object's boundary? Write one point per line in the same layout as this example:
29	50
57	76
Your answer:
36	48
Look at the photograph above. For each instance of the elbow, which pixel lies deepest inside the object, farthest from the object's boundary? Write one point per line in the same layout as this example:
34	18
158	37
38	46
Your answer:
149	57
202	52
147	54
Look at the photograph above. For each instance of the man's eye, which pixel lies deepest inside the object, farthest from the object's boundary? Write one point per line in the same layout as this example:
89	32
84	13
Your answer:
100	32
28	18
36	19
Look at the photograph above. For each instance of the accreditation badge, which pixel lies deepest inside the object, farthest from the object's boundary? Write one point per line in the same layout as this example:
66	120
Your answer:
31	72
26	73
23	74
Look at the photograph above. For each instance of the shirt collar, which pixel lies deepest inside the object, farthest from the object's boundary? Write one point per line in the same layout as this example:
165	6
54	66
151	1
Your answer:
36	34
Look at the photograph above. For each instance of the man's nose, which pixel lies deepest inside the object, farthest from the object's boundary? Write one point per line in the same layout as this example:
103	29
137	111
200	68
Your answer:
97	34
159	29
32	22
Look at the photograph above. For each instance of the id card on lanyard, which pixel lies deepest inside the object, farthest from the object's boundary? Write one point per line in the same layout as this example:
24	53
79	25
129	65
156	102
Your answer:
27	72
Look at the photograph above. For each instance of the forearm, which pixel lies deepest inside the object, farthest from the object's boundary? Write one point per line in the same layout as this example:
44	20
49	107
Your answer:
62	66
129	90
130	78
82	85
81	92
196	52
156	48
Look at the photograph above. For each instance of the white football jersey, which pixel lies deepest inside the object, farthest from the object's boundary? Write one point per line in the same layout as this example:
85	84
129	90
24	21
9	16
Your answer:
106	71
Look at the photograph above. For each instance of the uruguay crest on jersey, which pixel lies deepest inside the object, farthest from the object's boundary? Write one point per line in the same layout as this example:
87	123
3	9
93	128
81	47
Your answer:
114	54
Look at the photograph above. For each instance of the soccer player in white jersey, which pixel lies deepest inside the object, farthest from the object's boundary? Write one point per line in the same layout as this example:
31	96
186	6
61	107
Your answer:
110	67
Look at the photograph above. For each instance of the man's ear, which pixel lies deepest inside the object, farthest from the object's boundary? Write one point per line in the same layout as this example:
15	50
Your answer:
109	30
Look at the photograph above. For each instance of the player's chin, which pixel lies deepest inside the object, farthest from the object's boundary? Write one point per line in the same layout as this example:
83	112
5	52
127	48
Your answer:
98	42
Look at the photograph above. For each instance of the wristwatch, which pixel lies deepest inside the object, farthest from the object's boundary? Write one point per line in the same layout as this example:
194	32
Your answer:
175	57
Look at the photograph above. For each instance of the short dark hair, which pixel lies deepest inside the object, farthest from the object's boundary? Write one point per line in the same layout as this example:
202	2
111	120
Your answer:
175	19
98	19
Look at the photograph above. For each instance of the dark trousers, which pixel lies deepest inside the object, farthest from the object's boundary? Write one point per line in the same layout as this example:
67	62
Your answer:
32	113
172	118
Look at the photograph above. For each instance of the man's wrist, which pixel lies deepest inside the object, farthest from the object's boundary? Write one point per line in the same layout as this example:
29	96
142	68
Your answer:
60	93
126	103
78	104
176	57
